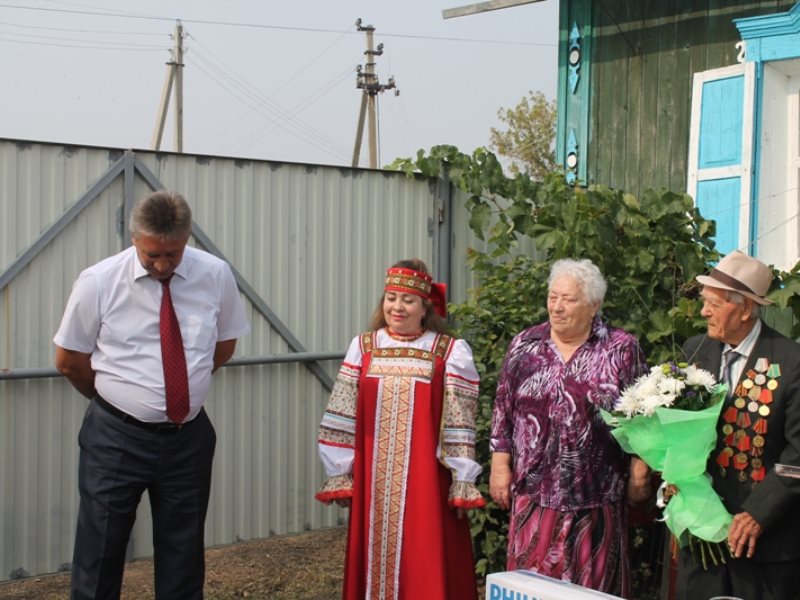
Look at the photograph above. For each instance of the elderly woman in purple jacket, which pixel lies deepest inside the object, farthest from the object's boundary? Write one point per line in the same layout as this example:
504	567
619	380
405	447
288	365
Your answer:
554	461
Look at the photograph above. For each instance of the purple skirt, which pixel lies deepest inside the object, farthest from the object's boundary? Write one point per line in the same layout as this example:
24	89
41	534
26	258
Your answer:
588	547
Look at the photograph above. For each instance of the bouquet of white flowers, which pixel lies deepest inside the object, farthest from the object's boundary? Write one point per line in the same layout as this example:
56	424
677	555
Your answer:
668	417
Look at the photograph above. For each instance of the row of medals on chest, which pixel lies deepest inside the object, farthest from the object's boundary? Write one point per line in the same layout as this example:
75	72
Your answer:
750	410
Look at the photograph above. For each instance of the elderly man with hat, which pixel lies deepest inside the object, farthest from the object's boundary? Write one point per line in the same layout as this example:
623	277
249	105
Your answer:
759	426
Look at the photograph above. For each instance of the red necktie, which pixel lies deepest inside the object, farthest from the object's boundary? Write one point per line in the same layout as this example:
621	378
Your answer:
176	380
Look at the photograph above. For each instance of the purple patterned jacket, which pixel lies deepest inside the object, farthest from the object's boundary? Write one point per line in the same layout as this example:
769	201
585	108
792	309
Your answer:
545	415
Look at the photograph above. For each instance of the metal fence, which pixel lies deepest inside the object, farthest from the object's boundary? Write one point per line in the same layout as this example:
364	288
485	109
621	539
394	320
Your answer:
308	244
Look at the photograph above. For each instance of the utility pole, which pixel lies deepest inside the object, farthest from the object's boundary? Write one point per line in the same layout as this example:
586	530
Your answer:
174	75
367	81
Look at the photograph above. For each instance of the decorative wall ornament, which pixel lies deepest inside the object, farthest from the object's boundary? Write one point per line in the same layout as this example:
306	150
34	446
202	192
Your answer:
572	158
741	47
574	56
574	87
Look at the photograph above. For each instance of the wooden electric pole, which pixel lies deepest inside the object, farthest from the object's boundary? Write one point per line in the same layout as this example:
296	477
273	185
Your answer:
367	81
174	75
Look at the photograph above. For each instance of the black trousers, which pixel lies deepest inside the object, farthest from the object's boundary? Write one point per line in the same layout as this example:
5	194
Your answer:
739	577
118	462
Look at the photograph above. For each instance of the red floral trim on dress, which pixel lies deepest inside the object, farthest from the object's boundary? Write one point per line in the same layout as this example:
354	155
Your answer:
465	494
336	488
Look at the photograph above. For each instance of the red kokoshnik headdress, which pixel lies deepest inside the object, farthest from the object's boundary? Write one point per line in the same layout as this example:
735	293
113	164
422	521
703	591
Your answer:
409	281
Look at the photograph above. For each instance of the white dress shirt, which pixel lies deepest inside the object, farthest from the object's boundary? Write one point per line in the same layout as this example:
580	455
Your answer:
743	350
113	314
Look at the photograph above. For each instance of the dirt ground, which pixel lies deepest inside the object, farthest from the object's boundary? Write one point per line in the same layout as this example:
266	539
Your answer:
307	566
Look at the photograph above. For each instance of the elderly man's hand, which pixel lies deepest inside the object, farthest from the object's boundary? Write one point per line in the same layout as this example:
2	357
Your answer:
743	533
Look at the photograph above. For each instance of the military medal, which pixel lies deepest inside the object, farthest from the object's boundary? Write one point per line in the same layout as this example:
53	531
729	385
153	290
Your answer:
752	396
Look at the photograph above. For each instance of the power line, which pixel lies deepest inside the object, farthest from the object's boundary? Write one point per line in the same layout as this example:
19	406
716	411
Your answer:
279	116
72	30
257	136
123	45
262	101
82	46
762	200
91	6
297	73
281	27
304	137
260	105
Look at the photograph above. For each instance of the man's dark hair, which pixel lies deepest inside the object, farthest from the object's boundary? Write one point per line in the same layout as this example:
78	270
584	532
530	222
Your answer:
162	214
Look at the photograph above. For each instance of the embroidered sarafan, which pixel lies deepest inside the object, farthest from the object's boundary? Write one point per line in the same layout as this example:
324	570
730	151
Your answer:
399	430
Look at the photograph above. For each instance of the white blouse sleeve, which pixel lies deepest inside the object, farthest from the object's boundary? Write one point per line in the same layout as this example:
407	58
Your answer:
457	443
336	442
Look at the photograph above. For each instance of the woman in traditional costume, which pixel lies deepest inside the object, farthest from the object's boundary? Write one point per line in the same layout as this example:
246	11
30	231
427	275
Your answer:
397	441
555	463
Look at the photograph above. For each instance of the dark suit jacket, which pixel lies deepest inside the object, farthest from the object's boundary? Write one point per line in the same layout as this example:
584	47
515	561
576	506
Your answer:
775	501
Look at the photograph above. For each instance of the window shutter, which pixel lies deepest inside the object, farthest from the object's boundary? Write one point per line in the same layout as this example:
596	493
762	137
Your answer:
721	153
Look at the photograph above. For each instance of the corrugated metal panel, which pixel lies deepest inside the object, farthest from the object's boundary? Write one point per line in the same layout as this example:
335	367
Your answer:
39	418
312	241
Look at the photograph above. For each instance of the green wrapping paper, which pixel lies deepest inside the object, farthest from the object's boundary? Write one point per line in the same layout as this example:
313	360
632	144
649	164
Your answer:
677	443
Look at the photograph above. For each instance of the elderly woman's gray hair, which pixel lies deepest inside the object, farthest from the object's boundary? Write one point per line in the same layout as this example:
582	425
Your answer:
585	272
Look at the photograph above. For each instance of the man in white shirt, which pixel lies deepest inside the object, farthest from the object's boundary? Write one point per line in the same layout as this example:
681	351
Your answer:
145	427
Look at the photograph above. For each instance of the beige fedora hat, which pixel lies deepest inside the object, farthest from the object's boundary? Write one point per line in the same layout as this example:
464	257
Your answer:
740	273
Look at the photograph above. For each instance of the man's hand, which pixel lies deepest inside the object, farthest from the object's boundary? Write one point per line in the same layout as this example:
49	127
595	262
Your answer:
77	368
223	352
664	493
743	534
500	480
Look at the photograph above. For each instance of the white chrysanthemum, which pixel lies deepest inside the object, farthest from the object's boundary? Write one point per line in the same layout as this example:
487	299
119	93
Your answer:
647	385
670	389
650	404
696	376
662	386
628	403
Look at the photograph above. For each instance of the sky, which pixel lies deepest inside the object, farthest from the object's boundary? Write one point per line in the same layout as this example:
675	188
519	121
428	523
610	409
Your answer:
268	80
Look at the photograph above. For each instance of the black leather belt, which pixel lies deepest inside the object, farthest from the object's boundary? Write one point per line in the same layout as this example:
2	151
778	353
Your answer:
161	427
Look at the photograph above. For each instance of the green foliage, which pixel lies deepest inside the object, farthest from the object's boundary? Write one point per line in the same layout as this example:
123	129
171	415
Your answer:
650	249
528	139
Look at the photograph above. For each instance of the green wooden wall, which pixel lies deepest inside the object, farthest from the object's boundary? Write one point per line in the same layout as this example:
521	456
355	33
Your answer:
643	54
